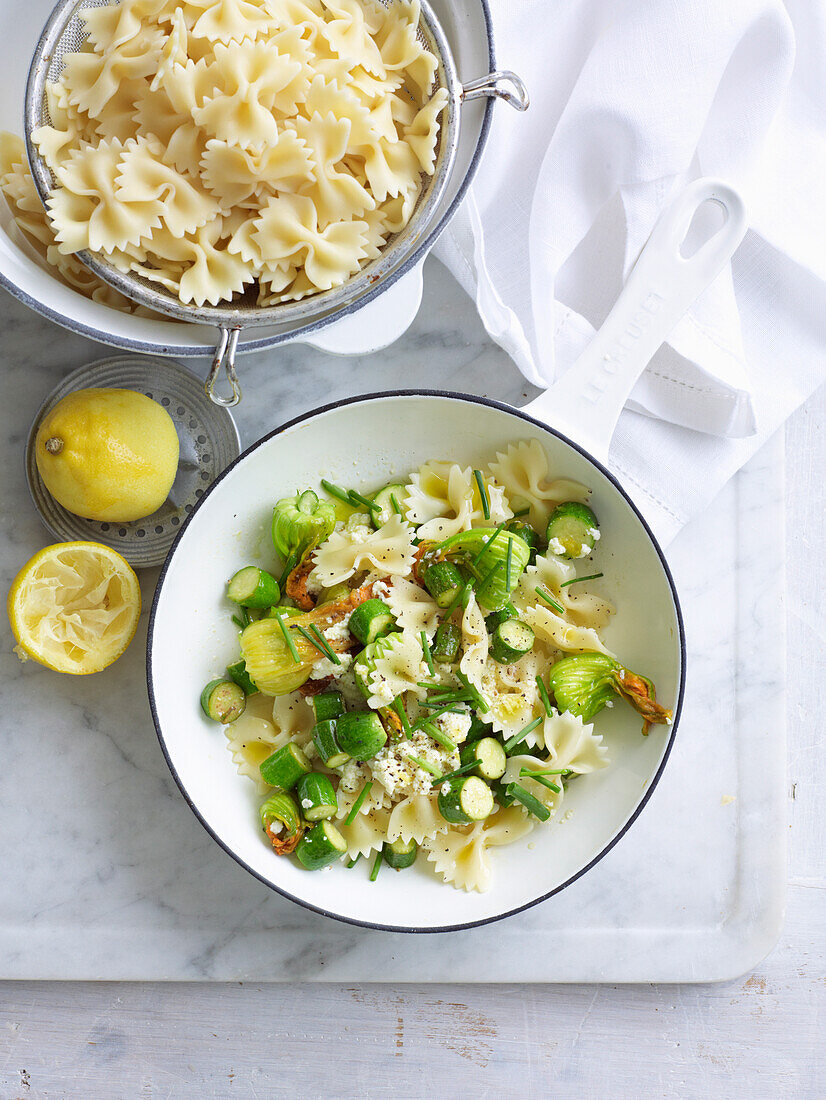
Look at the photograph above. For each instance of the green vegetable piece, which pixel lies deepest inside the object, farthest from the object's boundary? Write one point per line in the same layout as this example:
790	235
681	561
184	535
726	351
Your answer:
584	682
446	644
386	506
223	701
254	587
511	640
400	854
268	658
320	846
572	530
301	523
280	807
238	673
285	767
328	705
465	798
360	734
490	549
532	804
488	756
443	581
371	620
316	796
326	741
496	617
526	532
334	594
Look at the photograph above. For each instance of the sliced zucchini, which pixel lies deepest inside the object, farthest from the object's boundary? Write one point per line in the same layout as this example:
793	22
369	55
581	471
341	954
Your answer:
386	505
465	798
316	796
360	734
400	854
371	620
443	580
496	617
328	705
223	701
445	648
572	530
319	847
489	756
511	640
254	587
285	767
325	740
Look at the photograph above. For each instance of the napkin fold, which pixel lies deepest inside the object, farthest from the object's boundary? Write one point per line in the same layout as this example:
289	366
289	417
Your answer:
630	100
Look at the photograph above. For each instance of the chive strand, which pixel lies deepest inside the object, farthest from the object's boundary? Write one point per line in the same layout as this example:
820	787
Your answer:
354	809
238	623
428	656
512	742
476	697
576	580
306	634
444	709
509	565
374	874
543	592
288	639
526	773
432	730
483	493
543	695
488	541
359	499
465	768
421	764
531	804
334	491
489	577
328	651
398	706
522	512
397	508
457	599
352	862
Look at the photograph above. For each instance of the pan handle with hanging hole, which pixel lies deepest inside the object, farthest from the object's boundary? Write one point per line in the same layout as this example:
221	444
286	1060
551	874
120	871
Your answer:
502	84
585	404
224	357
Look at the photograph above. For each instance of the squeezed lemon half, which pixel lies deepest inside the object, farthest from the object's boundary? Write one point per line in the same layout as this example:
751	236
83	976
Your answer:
74	607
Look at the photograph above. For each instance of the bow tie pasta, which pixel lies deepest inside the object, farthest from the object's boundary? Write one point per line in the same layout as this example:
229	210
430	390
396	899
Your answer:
297	133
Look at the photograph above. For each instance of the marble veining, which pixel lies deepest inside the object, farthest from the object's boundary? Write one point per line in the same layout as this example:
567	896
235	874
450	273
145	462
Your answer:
107	873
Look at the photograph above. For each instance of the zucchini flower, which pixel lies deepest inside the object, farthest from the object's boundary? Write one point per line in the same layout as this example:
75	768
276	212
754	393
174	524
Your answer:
585	682
496	557
301	523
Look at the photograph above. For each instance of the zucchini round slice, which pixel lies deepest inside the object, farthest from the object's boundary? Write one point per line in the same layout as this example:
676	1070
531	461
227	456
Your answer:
491	759
223	701
322	845
572	530
387	505
465	798
285	767
328	705
316	796
511	640
326	741
371	620
400	854
443	580
496	617
360	734
254	587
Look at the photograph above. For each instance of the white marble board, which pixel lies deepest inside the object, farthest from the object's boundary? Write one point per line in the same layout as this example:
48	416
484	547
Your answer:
106	874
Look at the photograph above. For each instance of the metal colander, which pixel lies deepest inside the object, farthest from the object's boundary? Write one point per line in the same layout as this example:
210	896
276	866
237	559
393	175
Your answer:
64	33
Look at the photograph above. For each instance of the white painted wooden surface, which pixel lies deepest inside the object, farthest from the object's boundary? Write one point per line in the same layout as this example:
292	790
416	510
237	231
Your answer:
759	1036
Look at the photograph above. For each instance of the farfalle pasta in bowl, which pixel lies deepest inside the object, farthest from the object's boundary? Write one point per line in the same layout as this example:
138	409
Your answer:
445	668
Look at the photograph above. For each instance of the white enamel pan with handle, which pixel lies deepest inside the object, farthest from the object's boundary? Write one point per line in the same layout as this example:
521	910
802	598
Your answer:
365	443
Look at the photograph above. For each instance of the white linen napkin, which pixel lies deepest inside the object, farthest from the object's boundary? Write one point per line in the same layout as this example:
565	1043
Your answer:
630	99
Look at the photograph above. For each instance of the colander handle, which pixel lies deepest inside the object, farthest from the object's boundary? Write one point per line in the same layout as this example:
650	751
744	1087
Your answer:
224	357
502	84
587	401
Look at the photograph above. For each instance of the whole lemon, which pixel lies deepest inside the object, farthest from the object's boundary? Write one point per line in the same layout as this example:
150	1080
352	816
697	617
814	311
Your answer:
108	454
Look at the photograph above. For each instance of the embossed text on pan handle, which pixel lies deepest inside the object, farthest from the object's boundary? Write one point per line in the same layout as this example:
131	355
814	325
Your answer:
587	401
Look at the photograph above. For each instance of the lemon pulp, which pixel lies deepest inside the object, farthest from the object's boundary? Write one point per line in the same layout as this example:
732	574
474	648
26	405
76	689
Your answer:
74	607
